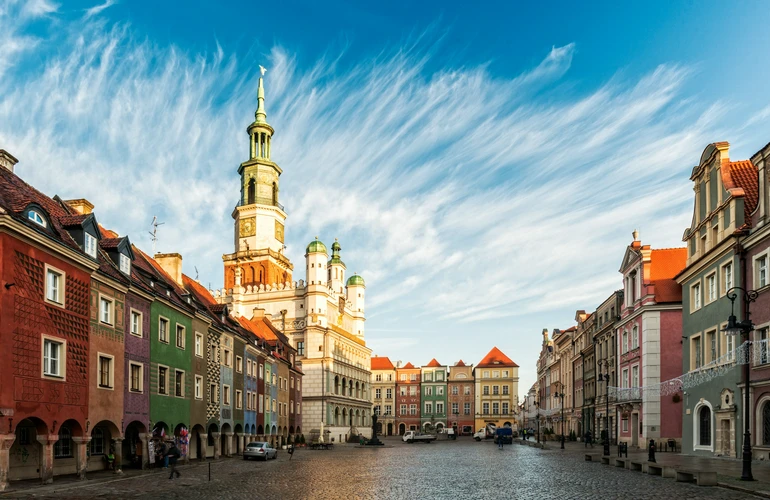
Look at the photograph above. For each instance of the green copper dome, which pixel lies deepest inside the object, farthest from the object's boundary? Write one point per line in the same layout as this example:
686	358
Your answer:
316	246
336	253
356	280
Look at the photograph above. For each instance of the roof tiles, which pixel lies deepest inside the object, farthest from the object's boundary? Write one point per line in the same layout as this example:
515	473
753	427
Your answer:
382	363
495	357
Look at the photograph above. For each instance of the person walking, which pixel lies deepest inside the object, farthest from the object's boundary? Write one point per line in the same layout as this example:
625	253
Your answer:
589	439
172	455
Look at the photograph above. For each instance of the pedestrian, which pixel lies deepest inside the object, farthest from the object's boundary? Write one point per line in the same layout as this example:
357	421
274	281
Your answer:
162	454
588	439
171	456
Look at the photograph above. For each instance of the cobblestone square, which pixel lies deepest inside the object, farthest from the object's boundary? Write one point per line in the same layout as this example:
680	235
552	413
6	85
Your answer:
453	470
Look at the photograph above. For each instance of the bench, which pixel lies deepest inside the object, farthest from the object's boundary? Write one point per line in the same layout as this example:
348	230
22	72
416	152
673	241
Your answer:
655	469
590	457
636	466
606	460
621	462
701	478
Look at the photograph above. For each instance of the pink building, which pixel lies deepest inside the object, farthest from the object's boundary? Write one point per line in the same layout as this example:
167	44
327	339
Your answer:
649	336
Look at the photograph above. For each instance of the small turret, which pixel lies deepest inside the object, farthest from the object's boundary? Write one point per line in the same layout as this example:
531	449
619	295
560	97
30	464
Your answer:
356	295
336	274
315	258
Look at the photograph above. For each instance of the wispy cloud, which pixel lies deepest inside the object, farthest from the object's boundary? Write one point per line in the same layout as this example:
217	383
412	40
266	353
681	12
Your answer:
476	207
97	9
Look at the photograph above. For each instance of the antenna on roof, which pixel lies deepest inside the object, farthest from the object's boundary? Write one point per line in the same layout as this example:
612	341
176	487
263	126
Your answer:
154	232
196	273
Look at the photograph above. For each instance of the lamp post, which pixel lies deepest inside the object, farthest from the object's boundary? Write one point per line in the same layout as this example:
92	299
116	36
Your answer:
537	405
606	378
735	327
457	421
561	395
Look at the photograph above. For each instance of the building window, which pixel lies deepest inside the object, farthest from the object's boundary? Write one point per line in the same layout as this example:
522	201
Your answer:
711	346
180	333
300	348
495	408
163	330
36	218
762	337
505	373
90	245
485	390
261	371
226	395
711	285
505	390
136	323
54	290
455	408
695	297
198	387
228	359
704	426
486	373
761	270
635	376
213	393
635	337
105	371
136	375
495	390
162	380
413	409
467	408
428	407
403	377
485	408
766	424
429	391
440	408
455	390
199	344
125	264
505	408
625	425
730	347
624	347
727	276
261	404
439	391
467	390
97	442
402	410
179	383
63	447
413	377
624	382
239	364
238	398
377	410
696	354
105	310
388	393
378	378
53	354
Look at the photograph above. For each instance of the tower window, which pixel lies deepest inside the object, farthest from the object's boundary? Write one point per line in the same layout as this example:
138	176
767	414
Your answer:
251	190
275	193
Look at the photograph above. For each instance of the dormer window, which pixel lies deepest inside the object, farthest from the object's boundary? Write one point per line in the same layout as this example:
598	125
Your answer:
35	217
89	245
125	264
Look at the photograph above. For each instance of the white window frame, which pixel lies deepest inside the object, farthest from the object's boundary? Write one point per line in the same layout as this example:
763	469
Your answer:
213	393
199	344
198	389
176	336
62	361
59	300
110	320
161	319
696	296
712	287
140	390
693	354
238	399
758	270
225	394
131	315
89	244
635	337
124	262
724	282
176	371
99	356
239	364
166	381
696	426
39	219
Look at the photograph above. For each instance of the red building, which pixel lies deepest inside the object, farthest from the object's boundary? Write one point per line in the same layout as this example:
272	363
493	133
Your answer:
45	280
407	398
461	409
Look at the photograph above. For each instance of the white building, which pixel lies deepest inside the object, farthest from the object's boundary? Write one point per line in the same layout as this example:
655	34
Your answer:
322	315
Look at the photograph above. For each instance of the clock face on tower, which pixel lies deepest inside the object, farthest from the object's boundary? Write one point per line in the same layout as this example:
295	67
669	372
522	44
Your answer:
248	227
279	231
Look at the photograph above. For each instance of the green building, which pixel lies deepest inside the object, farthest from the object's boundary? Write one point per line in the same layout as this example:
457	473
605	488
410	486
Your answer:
433	398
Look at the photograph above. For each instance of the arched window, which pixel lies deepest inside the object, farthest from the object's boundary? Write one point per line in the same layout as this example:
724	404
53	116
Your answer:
63	447
275	194
35	217
254	275
704	424
251	192
766	424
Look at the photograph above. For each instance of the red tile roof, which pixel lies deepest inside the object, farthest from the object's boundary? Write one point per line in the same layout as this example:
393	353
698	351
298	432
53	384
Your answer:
665	264
72	220
382	363
433	363
200	292
495	357
408	365
460	363
743	175
108	243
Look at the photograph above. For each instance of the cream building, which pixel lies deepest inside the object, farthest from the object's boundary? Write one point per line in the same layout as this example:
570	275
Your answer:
497	389
383	394
322	315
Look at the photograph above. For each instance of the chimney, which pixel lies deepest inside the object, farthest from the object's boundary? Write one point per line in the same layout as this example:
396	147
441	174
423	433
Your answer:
635	234
258	313
81	206
7	160
172	264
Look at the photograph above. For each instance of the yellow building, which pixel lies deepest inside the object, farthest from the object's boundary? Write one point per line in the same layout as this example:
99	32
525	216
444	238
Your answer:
497	389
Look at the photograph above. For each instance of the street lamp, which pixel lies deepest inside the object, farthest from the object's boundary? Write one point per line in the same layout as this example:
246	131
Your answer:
457	421
606	378
537	405
735	327
561	395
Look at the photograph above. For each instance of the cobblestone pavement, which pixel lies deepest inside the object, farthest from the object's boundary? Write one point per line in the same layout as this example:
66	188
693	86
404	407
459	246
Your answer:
453	470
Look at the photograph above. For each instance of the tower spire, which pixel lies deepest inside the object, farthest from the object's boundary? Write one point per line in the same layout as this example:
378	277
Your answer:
260	115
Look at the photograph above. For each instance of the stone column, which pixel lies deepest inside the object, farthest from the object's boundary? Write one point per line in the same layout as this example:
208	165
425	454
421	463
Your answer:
46	456
6	441
203	439
81	455
117	443
217	444
145	451
228	451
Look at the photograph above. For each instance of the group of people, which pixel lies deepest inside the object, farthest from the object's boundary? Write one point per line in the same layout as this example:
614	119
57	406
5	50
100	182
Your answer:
168	453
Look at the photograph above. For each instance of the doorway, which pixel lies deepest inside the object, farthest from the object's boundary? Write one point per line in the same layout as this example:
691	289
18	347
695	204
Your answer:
390	429
401	429
726	437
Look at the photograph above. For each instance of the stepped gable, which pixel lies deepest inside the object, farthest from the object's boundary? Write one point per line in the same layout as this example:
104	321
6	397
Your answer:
665	264
495	357
433	363
382	363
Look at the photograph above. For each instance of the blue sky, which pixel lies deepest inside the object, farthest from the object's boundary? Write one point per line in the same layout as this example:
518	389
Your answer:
482	166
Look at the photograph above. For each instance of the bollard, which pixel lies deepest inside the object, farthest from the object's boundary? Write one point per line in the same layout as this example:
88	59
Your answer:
209	471
651	457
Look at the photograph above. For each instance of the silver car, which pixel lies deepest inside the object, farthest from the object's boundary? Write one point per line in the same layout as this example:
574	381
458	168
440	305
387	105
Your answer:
259	450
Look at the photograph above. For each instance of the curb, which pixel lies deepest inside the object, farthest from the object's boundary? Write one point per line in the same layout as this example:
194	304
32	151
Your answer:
747	491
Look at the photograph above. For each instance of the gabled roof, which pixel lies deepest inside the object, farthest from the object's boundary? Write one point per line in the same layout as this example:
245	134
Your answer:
460	363
433	363
408	366
381	363
665	264
743	175
495	357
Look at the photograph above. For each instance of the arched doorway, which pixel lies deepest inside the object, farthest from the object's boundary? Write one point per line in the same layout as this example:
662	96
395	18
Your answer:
65	453
238	437
260	431
212	429
439	427
134	453
390	429
197	443
401	429
27	446
337	416
102	453
224	440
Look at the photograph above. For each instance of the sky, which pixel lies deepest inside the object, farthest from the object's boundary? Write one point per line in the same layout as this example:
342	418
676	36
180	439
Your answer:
483	167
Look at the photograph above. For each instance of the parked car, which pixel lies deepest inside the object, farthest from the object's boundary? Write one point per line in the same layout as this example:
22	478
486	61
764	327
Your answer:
261	450
412	436
486	432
